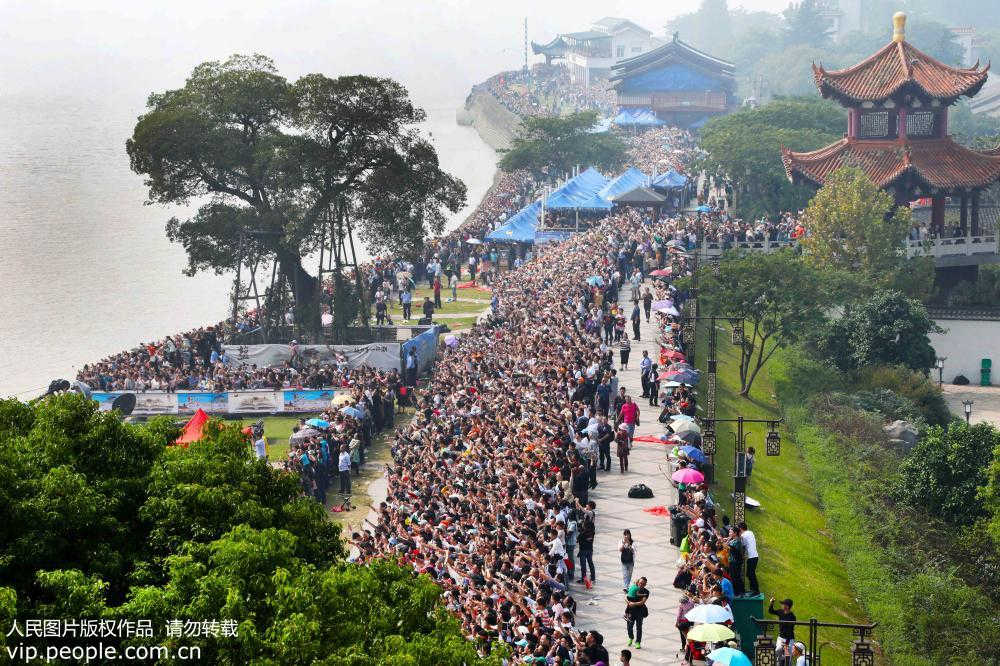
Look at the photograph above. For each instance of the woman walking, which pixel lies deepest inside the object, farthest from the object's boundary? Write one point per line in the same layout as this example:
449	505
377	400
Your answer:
635	612
624	348
627	549
621	440
585	543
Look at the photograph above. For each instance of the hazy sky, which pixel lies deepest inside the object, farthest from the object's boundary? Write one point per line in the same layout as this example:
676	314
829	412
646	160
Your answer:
123	48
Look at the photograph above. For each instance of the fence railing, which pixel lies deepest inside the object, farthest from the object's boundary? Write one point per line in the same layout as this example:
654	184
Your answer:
934	247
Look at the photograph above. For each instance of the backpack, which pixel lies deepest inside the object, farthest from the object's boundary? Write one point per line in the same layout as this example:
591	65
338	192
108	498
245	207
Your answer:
640	491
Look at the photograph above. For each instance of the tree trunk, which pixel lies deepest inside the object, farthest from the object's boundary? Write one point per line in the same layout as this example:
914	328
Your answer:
305	289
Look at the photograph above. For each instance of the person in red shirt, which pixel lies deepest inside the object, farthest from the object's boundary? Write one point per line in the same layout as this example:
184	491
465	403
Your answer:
437	292
630	416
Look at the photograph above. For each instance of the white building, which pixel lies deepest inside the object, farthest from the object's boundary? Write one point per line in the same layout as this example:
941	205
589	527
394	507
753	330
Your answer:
591	53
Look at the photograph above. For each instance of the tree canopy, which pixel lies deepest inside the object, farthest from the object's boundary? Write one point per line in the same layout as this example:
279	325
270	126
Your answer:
779	298
100	519
887	329
272	157
558	144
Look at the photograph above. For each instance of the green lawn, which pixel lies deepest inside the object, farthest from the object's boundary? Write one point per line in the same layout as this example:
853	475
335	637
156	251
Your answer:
471	301
798	556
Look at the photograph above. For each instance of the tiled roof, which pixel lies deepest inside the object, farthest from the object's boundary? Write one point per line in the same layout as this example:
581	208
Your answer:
894	67
937	162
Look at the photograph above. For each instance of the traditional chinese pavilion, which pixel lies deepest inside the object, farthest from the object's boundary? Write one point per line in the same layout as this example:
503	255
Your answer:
897	130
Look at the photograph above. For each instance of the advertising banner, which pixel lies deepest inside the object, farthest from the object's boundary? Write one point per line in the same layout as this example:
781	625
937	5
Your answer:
426	347
308	400
189	402
382	355
255	401
145	403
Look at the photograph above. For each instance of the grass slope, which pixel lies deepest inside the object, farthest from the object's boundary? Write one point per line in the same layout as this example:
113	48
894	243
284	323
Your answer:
798	554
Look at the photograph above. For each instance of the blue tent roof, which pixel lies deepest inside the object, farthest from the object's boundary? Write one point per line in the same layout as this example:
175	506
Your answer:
520	227
626	182
637	117
577	191
670	180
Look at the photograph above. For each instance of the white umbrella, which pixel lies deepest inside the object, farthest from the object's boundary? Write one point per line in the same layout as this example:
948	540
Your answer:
709	614
685	426
473	241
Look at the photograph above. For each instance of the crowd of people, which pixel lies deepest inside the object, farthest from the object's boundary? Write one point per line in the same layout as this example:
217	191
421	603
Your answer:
488	492
548	90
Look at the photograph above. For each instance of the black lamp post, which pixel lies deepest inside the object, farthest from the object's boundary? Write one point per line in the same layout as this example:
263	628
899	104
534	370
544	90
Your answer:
968	410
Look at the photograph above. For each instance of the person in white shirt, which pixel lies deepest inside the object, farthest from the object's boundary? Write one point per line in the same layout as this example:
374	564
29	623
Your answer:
344	467
260	448
749	540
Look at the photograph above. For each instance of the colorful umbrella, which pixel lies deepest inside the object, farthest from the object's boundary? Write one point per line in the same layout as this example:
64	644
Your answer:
689	377
687	437
710	633
685	426
680	366
728	656
661	272
703	209
693	453
688	475
353	412
674	355
681	417
318	423
341	399
709	613
595	281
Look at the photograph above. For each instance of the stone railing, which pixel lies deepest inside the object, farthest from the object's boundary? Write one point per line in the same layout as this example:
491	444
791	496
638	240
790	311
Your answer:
939	248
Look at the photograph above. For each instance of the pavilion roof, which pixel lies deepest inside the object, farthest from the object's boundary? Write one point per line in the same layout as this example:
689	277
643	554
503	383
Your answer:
937	162
674	51
894	68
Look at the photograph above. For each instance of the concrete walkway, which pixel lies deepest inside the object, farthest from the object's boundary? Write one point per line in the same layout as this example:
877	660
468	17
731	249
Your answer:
602	607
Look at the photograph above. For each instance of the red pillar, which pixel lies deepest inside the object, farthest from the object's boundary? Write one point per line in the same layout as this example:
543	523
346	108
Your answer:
937	214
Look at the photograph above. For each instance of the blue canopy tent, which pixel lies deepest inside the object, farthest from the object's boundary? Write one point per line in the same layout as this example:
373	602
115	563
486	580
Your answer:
520	227
576	191
626	182
637	118
670	180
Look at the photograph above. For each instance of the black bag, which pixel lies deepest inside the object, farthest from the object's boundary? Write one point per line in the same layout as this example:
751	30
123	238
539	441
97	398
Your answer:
628	556
640	491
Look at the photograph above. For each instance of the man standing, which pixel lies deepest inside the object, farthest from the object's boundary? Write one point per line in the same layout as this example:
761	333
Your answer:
647	303
636	320
437	292
407	300
428	308
605	435
344	467
749	540
411	368
260	447
453	283
644	365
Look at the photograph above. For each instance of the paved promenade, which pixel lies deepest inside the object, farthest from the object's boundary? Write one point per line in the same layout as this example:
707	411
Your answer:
602	607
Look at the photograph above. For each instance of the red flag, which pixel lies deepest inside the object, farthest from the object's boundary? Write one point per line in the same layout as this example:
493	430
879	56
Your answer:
193	430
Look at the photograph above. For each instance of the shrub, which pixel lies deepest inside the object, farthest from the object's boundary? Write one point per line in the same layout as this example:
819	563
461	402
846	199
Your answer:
910	384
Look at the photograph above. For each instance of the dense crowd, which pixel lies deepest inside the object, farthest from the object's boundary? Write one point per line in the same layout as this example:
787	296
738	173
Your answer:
488	490
661	149
548	90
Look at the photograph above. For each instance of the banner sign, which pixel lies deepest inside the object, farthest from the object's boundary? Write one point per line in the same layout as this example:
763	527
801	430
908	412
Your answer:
382	355
210	403
308	400
145	403
242	402
426	346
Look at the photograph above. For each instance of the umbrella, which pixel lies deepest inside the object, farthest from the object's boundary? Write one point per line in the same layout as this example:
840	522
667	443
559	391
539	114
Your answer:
661	272
675	355
668	310
672	384
710	633
685	426
341	399
689	377
661	303
708	613
679	366
451	340
687	436
473	241
595	281
688	475
351	411
693	453
675	243
728	656
303	433
703	209
318	423
681	417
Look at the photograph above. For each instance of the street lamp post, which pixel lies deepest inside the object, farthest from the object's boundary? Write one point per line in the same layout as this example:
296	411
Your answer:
968	410
939	364
773	448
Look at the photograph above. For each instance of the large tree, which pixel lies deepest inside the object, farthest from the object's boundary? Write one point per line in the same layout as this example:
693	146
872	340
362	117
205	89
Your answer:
269	158
777	298
558	144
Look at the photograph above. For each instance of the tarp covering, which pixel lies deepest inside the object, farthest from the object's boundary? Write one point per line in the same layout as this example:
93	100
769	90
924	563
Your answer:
641	196
670	180
520	227
643	117
576	191
626	182
193	430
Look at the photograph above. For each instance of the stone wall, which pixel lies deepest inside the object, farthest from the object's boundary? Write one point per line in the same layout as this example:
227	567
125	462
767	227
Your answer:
495	124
